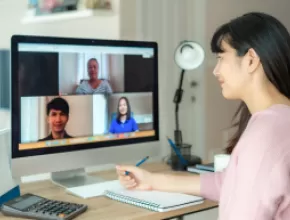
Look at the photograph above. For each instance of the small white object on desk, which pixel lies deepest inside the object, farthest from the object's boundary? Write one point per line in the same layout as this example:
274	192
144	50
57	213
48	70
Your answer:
221	161
94	190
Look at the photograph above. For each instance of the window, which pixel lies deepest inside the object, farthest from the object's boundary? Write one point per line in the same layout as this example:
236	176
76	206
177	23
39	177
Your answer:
33	115
100	116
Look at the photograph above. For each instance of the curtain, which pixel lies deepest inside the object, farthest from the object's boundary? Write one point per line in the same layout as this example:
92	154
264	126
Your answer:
100	114
33	123
170	22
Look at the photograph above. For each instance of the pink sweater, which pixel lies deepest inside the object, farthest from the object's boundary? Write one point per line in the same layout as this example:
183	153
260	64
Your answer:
256	183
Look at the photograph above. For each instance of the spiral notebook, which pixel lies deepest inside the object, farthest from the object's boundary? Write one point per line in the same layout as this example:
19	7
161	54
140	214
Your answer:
154	200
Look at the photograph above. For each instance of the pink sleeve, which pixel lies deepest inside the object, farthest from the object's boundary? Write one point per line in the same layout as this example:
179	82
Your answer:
260	185
211	185
261	191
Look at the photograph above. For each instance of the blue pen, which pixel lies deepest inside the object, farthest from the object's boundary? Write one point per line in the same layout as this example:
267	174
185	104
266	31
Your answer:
176	150
139	163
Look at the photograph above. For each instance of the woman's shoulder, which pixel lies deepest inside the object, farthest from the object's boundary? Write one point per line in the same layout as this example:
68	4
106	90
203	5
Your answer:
268	130
132	119
276	116
105	82
83	83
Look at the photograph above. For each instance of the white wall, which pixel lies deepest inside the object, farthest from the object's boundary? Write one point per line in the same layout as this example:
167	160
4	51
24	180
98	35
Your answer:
218	110
11	12
140	103
68	72
116	71
168	22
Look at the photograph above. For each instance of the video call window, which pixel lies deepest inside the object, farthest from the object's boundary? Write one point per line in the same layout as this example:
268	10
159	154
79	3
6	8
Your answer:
89	95
59	71
49	117
76	116
136	108
37	73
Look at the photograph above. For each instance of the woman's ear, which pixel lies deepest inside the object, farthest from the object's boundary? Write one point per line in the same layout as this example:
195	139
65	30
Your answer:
253	60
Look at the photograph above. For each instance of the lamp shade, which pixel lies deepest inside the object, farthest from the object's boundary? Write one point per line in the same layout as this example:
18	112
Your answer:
189	55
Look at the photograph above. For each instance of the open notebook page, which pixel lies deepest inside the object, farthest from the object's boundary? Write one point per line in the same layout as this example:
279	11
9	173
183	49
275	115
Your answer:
163	199
93	190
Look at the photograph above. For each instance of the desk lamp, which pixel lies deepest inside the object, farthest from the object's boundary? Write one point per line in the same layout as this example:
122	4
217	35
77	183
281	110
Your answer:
189	55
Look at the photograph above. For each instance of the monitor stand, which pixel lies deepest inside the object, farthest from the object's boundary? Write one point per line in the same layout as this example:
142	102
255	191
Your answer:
74	178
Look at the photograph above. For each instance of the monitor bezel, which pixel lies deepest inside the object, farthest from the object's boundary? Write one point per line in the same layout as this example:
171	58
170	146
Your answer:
15	97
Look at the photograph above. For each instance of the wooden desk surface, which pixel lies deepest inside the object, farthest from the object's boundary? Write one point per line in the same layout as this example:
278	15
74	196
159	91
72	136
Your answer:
105	208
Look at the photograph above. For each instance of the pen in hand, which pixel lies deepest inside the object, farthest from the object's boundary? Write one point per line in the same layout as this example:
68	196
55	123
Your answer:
139	163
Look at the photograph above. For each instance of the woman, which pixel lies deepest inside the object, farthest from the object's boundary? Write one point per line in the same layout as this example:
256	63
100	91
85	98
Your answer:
253	66
94	84
124	122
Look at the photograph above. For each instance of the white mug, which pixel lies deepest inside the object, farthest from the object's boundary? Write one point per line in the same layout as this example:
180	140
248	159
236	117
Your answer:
221	161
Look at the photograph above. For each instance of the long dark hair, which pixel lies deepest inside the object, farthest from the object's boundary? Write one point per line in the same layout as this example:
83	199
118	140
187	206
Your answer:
128	114
271	41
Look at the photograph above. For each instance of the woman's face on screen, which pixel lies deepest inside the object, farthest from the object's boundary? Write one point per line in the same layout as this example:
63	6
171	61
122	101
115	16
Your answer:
123	107
93	68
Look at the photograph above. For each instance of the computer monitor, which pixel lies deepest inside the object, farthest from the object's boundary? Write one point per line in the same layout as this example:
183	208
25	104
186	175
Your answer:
81	102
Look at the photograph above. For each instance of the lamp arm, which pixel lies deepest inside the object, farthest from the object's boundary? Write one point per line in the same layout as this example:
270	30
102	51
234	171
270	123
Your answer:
177	100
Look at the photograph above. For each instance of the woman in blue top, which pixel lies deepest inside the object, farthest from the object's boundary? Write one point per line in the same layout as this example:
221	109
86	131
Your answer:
124	122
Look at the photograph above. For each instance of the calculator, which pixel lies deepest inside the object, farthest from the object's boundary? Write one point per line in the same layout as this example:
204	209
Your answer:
35	207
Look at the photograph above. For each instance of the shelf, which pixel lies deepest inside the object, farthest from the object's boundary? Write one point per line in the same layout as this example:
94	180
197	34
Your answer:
85	13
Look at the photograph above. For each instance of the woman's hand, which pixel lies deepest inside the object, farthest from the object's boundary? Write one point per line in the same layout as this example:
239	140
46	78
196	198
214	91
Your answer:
143	180
136	179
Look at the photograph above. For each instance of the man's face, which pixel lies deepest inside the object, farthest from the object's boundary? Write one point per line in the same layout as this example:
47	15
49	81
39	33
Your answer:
57	120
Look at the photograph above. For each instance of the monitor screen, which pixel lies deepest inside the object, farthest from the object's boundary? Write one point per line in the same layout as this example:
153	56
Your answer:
73	94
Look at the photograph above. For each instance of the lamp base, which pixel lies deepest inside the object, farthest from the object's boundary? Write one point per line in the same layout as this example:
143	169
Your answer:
175	163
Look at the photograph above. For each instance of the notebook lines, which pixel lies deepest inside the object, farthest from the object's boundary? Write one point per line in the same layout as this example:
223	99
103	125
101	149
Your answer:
133	201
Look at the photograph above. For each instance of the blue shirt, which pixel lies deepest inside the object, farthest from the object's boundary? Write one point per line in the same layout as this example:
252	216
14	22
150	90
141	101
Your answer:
129	125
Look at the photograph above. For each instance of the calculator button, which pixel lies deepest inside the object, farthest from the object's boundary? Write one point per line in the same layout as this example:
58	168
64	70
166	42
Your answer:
61	215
